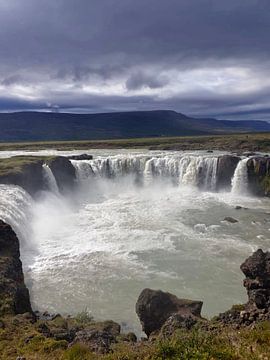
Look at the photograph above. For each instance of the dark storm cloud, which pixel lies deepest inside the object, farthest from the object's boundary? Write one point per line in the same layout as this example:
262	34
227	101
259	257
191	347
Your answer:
119	54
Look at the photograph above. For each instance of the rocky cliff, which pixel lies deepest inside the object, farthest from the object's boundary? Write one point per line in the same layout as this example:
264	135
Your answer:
259	175
27	172
14	296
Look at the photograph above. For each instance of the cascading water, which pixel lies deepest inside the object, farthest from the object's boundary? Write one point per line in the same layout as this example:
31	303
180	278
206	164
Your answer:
15	209
50	179
139	219
240	178
198	171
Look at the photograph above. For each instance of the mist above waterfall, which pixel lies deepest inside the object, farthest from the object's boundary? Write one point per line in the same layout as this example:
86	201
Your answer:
135	220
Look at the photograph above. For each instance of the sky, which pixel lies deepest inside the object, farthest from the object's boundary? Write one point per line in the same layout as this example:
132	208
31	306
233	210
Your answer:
204	58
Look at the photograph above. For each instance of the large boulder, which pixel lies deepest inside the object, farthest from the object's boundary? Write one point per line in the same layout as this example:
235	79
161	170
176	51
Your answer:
257	282
225	170
14	295
64	172
259	175
155	307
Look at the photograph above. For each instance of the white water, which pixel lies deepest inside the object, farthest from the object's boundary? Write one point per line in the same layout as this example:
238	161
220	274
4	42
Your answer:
240	178
138	220
198	171
50	179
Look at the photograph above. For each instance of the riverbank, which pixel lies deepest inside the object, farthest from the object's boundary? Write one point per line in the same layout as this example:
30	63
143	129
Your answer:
233	142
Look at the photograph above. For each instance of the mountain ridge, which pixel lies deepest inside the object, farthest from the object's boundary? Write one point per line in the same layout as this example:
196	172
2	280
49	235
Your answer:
46	126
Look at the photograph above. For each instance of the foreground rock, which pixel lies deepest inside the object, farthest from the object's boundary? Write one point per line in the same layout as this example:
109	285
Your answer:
14	296
155	307
257	271
257	282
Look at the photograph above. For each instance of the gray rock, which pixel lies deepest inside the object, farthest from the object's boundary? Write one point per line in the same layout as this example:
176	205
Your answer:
154	307
230	219
81	157
14	295
225	171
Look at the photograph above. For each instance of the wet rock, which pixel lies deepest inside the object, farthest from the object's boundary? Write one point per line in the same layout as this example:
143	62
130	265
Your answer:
248	154
225	171
64	173
14	296
238	207
230	219
259	175
81	157
154	307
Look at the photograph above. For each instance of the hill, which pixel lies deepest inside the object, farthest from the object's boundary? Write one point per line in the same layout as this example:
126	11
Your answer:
44	126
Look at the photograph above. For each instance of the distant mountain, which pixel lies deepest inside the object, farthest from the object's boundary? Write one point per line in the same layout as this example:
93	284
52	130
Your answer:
42	126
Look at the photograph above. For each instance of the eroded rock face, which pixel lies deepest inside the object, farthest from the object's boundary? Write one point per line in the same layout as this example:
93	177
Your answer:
155	307
225	170
30	178
64	173
257	282
259	175
14	296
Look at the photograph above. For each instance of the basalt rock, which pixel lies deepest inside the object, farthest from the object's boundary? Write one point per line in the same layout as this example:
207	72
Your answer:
29	175
81	157
259	175
64	172
225	171
99	337
14	296
257	282
155	307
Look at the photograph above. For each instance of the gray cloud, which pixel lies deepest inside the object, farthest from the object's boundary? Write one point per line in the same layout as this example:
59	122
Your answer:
203	57
139	80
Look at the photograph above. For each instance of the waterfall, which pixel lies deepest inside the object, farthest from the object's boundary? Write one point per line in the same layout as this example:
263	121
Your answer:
50	179
240	178
83	170
179	169
15	209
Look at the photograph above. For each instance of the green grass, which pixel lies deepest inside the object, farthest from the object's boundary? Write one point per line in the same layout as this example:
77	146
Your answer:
16	164
232	142
21	338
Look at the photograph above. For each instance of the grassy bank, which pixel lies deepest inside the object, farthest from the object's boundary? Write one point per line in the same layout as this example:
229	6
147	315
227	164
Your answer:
20	337
17	164
234	142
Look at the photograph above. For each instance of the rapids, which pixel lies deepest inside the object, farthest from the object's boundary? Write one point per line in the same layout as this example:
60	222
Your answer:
137	219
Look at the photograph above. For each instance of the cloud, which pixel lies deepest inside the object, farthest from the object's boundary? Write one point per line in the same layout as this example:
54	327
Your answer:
203	57
139	80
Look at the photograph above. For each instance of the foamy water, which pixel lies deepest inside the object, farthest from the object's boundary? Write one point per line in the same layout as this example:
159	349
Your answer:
137	220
